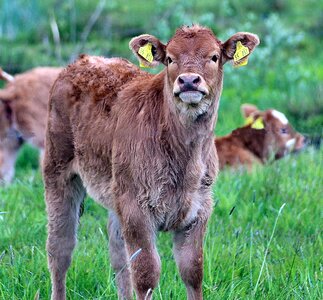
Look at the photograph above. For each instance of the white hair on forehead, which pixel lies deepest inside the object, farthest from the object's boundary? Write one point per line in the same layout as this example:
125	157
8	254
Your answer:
280	116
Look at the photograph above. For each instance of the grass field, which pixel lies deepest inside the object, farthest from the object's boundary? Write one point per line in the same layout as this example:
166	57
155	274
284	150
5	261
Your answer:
251	251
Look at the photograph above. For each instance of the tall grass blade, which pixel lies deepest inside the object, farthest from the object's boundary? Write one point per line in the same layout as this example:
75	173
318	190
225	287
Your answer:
266	252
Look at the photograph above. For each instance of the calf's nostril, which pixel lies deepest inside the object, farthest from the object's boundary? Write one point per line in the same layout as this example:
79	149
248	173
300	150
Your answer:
196	80
180	80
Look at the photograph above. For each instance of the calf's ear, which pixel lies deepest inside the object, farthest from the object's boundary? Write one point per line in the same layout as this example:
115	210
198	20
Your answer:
248	109
249	40
148	49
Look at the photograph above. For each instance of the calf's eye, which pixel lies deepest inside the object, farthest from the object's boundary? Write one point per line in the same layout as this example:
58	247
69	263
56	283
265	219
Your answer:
283	130
214	58
169	60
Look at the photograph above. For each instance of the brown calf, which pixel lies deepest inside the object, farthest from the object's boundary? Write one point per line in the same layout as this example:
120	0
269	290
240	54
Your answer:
23	114
267	135
141	145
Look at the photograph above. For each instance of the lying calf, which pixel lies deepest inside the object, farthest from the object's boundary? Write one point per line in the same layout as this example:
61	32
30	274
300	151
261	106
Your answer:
267	135
23	113
142	145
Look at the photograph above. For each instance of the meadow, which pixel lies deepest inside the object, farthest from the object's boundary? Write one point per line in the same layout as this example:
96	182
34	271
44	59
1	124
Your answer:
251	250
264	239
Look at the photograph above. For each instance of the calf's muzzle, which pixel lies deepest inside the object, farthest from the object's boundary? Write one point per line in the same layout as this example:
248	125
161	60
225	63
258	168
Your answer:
190	88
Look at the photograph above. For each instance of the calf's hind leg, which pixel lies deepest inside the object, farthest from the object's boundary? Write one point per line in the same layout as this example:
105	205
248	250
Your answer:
63	200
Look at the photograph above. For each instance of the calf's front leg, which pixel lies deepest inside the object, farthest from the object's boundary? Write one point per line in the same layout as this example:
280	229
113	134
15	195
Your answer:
139	238
188	253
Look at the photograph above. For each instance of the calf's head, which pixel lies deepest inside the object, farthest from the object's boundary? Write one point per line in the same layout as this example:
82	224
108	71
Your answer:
281	138
194	60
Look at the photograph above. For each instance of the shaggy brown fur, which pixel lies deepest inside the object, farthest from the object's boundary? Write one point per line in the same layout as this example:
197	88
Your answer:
247	146
141	145
23	113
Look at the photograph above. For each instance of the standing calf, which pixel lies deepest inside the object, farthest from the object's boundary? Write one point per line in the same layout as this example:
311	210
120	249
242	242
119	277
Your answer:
142	145
23	114
267	135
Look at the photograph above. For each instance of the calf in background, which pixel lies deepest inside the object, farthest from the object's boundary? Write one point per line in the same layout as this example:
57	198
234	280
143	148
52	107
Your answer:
267	135
23	114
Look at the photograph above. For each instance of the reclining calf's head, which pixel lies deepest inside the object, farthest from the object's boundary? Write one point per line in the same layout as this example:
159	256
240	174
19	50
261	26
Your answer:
281	138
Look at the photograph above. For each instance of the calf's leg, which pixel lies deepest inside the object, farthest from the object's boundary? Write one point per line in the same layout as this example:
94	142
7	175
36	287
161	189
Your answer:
188	253
139	238
63	200
119	258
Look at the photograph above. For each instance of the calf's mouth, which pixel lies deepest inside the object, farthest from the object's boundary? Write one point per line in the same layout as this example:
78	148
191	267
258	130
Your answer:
191	97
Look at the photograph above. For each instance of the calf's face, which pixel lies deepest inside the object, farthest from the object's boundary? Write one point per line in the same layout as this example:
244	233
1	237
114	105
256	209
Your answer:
281	138
285	138
9	140
5	119
194	60
7	96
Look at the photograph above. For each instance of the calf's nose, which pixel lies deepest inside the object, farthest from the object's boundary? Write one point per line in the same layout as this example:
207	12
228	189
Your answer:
188	82
306	140
301	141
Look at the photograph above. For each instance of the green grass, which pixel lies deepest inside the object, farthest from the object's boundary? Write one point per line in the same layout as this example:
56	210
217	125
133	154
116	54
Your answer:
235	244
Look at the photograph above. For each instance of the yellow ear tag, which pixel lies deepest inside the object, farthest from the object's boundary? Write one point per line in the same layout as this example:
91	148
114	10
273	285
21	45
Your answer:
258	124
146	53
239	57
248	120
